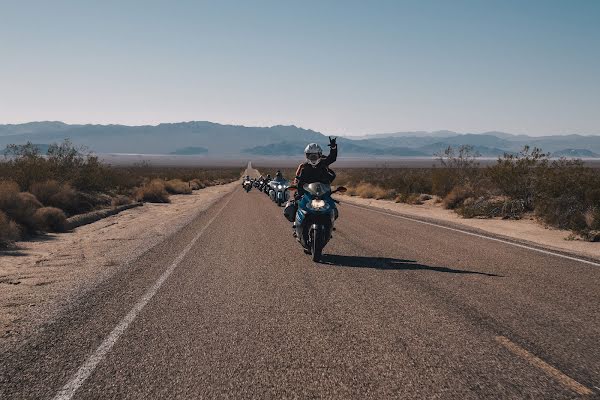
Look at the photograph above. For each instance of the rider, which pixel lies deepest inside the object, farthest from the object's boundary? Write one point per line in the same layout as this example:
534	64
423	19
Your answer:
279	176
316	168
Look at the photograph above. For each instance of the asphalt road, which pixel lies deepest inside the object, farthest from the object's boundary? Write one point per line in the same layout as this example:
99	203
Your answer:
231	307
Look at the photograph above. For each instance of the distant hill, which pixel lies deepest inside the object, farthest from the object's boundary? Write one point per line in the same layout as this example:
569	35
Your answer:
202	137
190	150
575	153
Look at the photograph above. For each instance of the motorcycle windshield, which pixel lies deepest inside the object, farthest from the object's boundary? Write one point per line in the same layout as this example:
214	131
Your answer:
317	189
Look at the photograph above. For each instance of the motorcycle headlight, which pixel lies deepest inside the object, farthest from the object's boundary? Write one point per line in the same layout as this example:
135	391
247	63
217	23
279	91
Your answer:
317	204
279	187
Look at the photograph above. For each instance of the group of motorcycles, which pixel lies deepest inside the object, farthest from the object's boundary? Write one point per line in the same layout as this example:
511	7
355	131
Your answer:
313	214
277	190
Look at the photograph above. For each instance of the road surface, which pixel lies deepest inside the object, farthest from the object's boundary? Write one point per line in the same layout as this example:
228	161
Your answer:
231	307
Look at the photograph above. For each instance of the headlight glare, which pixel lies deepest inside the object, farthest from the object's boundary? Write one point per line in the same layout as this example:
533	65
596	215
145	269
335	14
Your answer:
317	204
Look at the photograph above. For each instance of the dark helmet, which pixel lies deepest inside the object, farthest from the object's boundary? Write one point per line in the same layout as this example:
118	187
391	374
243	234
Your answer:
279	174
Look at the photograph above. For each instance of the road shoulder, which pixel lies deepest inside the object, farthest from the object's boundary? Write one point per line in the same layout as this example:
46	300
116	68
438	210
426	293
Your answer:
45	275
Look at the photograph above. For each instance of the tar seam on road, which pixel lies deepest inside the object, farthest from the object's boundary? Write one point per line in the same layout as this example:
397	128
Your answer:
67	391
480	236
560	377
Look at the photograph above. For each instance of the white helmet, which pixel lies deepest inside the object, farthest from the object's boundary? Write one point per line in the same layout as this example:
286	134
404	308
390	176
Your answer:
313	153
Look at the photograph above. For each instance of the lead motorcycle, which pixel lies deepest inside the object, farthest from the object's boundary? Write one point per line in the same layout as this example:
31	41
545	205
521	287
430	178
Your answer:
247	185
278	191
315	217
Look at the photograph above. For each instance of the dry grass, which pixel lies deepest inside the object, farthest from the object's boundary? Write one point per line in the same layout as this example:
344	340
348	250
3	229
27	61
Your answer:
9	231
120	201
457	196
19	206
153	192
50	219
177	186
196	184
55	194
369	191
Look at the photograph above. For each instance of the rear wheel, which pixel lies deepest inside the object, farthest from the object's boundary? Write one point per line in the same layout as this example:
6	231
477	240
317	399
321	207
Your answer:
316	245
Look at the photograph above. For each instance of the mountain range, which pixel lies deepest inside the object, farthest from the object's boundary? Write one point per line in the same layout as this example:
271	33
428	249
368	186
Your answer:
212	139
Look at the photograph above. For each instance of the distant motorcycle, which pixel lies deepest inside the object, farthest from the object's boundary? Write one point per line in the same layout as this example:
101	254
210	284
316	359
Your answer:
247	185
265	188
316	215
278	191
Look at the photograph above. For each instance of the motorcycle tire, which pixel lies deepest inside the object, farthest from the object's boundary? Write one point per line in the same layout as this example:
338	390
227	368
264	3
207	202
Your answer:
316	245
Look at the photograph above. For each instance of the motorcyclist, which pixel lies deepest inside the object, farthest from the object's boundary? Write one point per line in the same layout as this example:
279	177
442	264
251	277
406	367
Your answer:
316	168
279	176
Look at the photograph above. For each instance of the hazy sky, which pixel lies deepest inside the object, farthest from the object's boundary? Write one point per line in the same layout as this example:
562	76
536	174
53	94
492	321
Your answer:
340	67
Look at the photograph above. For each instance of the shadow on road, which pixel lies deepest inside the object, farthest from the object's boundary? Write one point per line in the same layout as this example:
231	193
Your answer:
391	264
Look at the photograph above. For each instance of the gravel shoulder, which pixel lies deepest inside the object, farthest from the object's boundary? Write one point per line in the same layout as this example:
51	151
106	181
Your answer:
525	229
43	275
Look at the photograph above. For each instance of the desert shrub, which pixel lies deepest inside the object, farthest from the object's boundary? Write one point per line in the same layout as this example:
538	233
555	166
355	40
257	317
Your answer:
516	175
50	219
480	208
26	165
153	192
18	206
409	198
443	180
425	197
120	201
370	191
462	161
55	194
9	231
177	186
457	196
565	190
195	184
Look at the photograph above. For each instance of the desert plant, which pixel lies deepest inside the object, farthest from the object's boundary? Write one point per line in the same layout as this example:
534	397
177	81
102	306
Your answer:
177	186
55	194
18	206
9	231
50	219
120	201
457	196
196	184
153	192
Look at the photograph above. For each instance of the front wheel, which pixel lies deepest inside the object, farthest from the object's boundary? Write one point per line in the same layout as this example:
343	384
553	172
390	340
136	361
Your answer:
316	245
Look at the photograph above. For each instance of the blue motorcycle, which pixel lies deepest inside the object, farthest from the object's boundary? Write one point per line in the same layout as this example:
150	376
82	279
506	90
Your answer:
316	215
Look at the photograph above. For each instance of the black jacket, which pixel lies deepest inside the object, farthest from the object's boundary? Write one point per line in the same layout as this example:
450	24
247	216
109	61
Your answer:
308	173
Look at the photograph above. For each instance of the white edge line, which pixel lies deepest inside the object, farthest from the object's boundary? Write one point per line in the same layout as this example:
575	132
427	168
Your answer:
90	364
478	235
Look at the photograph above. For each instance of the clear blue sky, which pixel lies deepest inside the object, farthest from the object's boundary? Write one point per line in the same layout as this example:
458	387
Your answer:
340	67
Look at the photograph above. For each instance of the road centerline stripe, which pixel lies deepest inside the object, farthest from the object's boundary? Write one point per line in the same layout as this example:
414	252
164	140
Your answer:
523	246
557	375
83	373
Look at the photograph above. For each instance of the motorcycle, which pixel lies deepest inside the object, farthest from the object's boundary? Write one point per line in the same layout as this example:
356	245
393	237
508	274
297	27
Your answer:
315	218
265	188
278	191
247	185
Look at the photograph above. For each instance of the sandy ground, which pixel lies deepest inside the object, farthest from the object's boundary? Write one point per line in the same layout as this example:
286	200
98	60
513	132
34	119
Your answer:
40	278
525	229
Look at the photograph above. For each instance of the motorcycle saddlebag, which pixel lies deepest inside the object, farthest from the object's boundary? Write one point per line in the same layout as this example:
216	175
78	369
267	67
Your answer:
290	211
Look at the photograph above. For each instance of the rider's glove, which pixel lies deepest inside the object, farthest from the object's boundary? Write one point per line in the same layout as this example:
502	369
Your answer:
332	142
